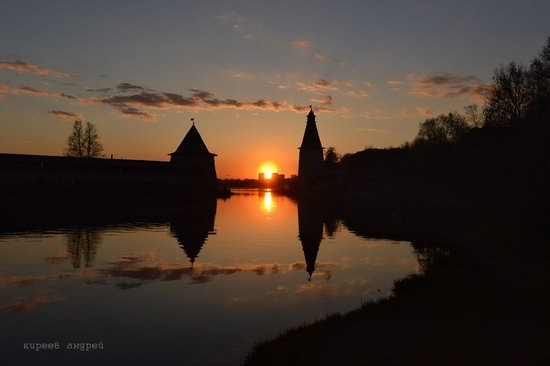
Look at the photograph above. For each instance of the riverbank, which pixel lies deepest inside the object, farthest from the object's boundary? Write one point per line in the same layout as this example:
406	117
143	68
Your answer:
481	297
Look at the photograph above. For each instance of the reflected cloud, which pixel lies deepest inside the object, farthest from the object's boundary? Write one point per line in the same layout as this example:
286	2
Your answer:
130	268
25	304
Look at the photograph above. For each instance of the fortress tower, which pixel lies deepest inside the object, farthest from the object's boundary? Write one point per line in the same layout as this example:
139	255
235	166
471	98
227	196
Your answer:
310	165
193	155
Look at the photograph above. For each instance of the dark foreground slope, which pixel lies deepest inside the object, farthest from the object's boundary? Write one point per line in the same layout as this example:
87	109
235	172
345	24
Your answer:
481	298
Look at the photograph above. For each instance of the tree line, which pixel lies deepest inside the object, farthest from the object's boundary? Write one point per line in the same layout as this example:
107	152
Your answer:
518	96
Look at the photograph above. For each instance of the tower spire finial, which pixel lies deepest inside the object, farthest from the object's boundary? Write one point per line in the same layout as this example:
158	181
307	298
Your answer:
193	121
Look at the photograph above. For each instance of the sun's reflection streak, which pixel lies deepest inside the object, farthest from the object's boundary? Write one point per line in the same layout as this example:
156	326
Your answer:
267	204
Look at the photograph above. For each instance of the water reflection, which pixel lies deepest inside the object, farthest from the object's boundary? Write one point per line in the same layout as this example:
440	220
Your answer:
310	233
239	274
82	245
192	227
267	203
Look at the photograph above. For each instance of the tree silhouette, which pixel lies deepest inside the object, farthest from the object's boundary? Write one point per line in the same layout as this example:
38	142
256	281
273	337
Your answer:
443	129
331	155
473	115
508	98
83	141
539	83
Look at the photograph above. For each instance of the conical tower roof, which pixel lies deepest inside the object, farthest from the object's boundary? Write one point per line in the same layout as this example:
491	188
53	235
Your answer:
192	144
311	138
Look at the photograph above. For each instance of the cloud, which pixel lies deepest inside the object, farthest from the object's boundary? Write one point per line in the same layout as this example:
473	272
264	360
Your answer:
301	44
424	112
127	87
320	56
394	82
64	115
98	90
358	94
320	85
246	28
198	100
4	90
21	67
34	91
384	114
374	130
446	86
325	101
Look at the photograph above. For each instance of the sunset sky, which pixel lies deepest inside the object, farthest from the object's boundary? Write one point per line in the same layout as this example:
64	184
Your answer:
247	70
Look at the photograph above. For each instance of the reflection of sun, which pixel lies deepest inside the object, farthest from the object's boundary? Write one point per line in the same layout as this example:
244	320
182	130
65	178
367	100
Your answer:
268	204
268	168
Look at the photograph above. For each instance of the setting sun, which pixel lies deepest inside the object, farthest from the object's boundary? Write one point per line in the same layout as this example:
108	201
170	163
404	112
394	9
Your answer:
268	168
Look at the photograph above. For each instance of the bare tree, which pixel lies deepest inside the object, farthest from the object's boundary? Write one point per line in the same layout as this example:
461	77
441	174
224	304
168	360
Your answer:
75	141
473	115
508	98
83	141
92	146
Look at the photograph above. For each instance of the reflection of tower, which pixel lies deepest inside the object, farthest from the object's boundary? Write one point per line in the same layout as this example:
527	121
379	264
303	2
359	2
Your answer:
192	227
82	246
310	164
310	232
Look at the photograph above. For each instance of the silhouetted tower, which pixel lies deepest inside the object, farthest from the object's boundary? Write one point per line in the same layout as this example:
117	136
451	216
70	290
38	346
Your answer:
193	154
310	165
310	233
192	226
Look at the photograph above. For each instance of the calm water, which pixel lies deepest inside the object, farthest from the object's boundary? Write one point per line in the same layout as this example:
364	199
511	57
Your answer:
200	287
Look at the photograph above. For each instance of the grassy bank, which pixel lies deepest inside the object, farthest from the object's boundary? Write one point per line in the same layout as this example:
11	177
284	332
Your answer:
481	297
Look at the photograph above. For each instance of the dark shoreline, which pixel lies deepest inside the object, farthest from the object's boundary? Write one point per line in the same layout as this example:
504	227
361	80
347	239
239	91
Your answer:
481	298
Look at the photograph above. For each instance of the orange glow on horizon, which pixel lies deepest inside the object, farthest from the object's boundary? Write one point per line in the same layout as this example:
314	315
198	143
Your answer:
268	168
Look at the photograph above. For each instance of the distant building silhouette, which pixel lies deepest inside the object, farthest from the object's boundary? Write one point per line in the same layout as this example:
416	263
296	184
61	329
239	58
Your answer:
310	165
275	181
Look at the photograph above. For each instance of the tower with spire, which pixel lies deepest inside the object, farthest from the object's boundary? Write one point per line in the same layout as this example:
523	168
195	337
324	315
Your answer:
193	155
310	165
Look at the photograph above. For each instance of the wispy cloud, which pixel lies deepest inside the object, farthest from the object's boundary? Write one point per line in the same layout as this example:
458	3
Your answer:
32	91
385	114
424	111
394	82
127	87
372	130
98	90
446	86
320	85
246	28
324	101
21	67
65	116
301	44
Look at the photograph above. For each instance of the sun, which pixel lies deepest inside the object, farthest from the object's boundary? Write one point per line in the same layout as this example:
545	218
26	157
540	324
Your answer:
268	168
